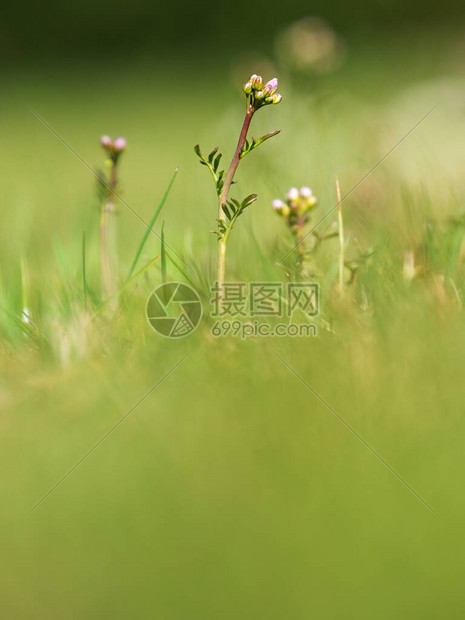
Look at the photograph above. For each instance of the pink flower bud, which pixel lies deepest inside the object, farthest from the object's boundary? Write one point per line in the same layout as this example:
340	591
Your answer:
281	208
293	194
271	87
106	142
306	192
277	98
119	144
247	88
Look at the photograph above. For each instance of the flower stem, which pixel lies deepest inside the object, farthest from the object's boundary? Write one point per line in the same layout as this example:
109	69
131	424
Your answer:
341	237
223	199
108	239
300	236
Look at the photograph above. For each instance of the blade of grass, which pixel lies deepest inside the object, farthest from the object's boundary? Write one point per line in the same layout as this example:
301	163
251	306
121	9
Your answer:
127	283
28	328
24	286
163	254
84	277
151	223
181	271
341	237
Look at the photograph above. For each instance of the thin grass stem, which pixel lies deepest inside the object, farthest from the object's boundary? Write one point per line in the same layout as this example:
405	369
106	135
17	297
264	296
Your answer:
341	237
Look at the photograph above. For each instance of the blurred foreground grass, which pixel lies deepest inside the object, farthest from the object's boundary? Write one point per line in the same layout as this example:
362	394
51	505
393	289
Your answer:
232	491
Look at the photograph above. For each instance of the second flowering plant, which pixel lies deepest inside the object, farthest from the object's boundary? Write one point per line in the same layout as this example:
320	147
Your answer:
258	95
295	211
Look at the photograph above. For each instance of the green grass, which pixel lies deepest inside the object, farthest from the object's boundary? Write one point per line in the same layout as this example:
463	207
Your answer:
232	491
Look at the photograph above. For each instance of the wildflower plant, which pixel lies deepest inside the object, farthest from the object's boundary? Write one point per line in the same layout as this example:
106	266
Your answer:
295	210
108	187
258	95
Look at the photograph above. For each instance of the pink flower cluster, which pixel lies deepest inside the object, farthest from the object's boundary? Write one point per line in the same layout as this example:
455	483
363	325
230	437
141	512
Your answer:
297	202
115	146
262	94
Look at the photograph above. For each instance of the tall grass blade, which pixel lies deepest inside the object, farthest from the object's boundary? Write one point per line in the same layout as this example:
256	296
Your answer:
84	276
163	254
24	287
151	223
181	271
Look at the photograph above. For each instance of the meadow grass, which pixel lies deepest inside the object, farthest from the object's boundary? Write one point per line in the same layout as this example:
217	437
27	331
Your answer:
232	491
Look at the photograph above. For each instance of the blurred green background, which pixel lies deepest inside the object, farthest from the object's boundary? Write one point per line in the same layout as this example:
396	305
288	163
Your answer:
89	28
231	491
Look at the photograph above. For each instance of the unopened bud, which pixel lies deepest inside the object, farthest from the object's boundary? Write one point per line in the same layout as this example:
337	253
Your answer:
277	98
257	82
281	208
106	142
119	144
247	88
292	194
305	192
259	96
271	87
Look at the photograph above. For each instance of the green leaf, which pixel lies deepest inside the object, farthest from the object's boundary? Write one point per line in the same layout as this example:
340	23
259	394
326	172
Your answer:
212	154
212	164
216	163
250	146
233	207
233	210
248	201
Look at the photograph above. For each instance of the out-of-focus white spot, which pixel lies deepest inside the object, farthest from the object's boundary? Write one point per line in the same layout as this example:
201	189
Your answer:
310	45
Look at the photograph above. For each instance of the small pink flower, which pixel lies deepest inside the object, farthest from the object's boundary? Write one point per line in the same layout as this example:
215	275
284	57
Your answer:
306	192
106	142
281	208
271	87
119	144
292	194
